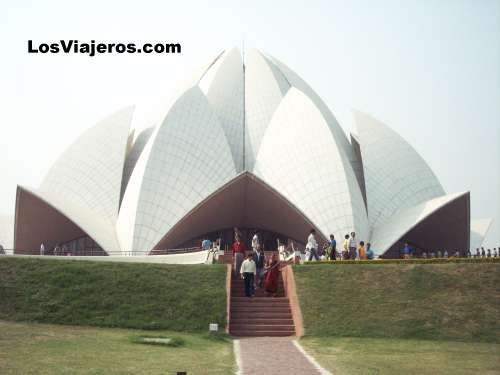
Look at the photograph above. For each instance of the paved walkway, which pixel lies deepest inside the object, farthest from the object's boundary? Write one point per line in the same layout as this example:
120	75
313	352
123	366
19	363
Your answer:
273	355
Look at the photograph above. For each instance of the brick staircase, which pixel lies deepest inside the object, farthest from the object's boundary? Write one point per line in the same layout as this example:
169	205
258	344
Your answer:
259	315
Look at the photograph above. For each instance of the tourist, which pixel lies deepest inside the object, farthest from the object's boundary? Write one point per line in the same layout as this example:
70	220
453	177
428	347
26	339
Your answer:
322	252
345	246
362	251
439	254
239	251
352	246
272	276
483	252
237	233
469	254
457	254
333	247
445	254
260	262
289	249
206	244
255	242
370	255
406	251
42	249
495	252
424	255
489	253
312	245
477	253
2	251
433	254
248	271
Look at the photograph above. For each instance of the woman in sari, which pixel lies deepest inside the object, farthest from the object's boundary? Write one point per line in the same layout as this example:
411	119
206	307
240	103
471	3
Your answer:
272	275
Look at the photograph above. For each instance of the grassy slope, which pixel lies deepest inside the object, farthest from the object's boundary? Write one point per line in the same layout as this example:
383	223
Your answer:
54	349
144	296
432	301
401	356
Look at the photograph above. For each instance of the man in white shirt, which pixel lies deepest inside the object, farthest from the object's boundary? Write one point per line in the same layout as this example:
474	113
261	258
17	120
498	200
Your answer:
353	245
248	271
42	249
312	245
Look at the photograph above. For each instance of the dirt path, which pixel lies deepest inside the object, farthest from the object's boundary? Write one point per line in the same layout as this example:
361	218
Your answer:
274	355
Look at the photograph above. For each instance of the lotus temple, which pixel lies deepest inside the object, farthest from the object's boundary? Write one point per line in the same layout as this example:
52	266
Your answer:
245	143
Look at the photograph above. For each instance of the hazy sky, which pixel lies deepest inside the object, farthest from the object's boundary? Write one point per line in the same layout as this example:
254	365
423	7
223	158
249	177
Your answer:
429	69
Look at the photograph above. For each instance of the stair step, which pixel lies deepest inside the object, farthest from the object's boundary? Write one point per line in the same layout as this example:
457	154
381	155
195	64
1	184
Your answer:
250	305
258	294
266	309
262	327
260	299
261	321
262	333
238	315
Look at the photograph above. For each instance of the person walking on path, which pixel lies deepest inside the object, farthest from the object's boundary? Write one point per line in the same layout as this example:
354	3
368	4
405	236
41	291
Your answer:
239	251
333	247
369	252
248	271
362	251
272	275
345	248
312	245
260	262
352	246
42	249
206	244
406	251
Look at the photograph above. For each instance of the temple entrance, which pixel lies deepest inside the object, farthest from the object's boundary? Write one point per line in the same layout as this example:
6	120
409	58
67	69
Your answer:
268	239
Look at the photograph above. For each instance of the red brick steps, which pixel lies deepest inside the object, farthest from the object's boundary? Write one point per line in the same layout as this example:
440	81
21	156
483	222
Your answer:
260	315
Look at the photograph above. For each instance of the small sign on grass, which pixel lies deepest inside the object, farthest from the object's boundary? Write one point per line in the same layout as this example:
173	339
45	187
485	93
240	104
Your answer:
158	340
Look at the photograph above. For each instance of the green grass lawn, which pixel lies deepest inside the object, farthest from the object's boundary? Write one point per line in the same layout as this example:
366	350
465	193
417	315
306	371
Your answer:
366	356
143	296
55	349
457	302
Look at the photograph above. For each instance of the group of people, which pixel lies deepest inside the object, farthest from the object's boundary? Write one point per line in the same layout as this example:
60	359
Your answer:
351	249
466	254
253	267
57	250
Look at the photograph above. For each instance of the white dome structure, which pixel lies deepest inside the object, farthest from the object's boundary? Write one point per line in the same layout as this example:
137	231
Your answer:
245	144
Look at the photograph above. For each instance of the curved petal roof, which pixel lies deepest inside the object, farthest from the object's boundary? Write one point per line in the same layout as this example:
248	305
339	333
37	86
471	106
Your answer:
395	175
186	159
300	158
89	173
265	88
258	120
223	84
401	223
478	230
53	205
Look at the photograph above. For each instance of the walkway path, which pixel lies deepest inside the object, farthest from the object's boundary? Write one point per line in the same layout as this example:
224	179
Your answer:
274	355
